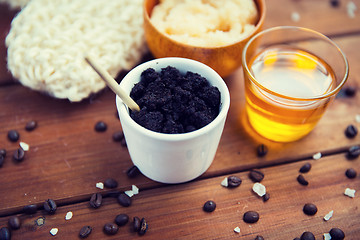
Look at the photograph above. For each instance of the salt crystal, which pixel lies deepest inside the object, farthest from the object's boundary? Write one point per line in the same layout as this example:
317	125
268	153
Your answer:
259	189
224	182
317	156
295	16
351	7
135	189
100	185
54	231
329	215
130	193
237	230
327	236
69	215
350	192
357	118
24	146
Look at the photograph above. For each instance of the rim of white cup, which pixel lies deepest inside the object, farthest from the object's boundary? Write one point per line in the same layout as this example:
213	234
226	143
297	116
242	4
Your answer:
175	62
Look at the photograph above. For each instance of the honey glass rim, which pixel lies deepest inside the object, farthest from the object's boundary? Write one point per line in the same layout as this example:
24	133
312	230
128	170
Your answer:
318	34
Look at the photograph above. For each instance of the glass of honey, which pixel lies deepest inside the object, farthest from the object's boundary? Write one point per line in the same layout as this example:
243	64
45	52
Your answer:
292	74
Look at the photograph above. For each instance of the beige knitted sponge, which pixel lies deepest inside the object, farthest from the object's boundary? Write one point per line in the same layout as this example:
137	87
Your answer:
48	40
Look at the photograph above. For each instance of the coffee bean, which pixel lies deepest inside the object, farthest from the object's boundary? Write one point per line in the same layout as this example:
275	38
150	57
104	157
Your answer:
124	200
118	136
100	126
136	224
256	175
209	206
50	206
30	209
258	237
14	222
266	197
351	173
110	183
143	226
3	152
353	152
121	219
31	125
96	200
85	231
123	142
133	171
233	181
337	234
251	217
13	135
350	91
5	233
2	160
307	236
305	168
351	131
296	238
310	209
334	3
111	228
261	150
19	155
301	179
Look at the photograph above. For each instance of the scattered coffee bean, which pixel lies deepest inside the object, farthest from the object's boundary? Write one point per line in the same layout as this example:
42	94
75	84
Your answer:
310	209
233	181
118	136
110	183
251	217
350	91
266	197
351	131
31	125
14	222
261	150
123	142
13	135
96	200
19	155
3	152
256	175
337	234
111	228
305	168
351	173
296	238
307	236
353	152
258	237
85	231
2	160
124	200
334	3
143	226
100	126
133	172
209	206
50	206
121	219
30	209
5	233
136	224
301	179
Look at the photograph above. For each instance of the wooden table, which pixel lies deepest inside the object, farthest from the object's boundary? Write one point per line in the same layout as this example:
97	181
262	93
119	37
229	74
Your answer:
67	158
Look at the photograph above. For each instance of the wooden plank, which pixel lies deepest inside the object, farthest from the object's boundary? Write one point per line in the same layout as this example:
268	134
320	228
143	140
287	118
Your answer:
67	157
175	212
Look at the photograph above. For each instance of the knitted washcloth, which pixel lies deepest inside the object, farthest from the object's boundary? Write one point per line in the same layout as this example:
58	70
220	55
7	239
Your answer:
49	38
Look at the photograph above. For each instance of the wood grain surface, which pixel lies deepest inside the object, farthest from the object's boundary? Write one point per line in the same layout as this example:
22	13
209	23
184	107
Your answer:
67	157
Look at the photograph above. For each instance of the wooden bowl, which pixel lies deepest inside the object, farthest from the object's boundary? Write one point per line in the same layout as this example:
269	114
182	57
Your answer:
224	60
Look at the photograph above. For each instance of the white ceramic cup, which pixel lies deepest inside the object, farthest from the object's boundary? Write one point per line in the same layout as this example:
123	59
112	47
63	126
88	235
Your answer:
173	158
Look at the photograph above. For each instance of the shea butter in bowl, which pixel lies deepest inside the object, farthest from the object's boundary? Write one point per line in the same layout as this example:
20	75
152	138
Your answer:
212	32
